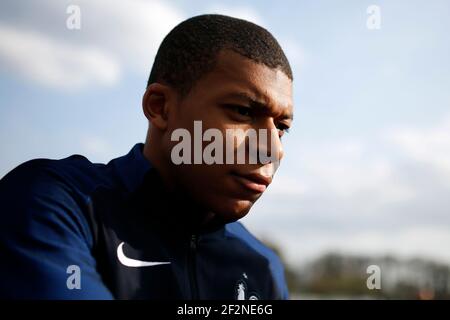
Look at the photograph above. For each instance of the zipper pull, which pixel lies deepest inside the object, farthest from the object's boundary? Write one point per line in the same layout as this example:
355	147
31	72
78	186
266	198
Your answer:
193	241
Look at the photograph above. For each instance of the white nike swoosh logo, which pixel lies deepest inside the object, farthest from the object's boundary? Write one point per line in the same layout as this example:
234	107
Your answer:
133	262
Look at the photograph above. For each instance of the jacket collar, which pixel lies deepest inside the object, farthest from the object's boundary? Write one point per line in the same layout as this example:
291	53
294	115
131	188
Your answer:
144	185
132	167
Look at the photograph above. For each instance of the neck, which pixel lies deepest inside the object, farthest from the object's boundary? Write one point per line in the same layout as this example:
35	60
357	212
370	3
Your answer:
152	152
203	219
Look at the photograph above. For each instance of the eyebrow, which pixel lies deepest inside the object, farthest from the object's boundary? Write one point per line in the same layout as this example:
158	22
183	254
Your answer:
253	102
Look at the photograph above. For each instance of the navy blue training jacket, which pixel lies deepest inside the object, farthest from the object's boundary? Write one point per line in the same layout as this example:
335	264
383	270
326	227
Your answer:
71	229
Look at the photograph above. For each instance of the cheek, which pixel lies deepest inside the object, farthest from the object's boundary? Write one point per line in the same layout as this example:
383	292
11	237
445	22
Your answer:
207	182
200	178
207	176
213	187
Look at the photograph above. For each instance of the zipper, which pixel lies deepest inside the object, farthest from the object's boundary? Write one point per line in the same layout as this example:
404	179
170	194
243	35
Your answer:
193	267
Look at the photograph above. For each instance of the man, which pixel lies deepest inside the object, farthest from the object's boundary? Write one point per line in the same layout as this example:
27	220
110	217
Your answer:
143	226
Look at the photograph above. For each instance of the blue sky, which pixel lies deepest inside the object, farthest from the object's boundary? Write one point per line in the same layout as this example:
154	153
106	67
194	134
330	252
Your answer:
367	167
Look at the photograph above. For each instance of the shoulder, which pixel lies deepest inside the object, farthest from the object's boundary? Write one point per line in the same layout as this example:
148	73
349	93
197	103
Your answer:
237	230
44	229
74	174
41	193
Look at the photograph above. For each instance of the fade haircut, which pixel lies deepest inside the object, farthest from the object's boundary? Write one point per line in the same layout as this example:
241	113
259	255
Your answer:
189	51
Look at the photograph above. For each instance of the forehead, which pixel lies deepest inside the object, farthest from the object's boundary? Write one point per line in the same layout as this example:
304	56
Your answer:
234	73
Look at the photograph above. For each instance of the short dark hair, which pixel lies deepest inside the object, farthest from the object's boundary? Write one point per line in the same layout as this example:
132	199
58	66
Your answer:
190	49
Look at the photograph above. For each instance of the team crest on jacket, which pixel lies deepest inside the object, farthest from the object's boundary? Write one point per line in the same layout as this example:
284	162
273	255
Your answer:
242	290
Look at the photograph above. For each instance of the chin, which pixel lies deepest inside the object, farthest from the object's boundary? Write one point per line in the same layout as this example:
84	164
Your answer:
231	210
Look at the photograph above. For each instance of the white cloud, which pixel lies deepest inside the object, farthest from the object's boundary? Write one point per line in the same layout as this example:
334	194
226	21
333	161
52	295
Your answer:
287	185
114	36
349	170
133	29
54	64
96	148
428	146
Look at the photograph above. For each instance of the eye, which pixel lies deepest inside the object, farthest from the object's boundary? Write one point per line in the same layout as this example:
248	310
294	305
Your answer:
283	128
242	110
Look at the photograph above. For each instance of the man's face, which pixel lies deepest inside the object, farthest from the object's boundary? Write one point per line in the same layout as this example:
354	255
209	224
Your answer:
238	94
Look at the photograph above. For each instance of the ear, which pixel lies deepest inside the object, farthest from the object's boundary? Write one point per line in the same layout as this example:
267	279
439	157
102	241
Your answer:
155	104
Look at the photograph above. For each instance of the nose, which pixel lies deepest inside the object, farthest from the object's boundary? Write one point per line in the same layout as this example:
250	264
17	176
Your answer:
270	147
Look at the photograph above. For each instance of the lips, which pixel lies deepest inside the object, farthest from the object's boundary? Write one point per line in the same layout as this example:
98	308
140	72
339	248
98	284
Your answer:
253	182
